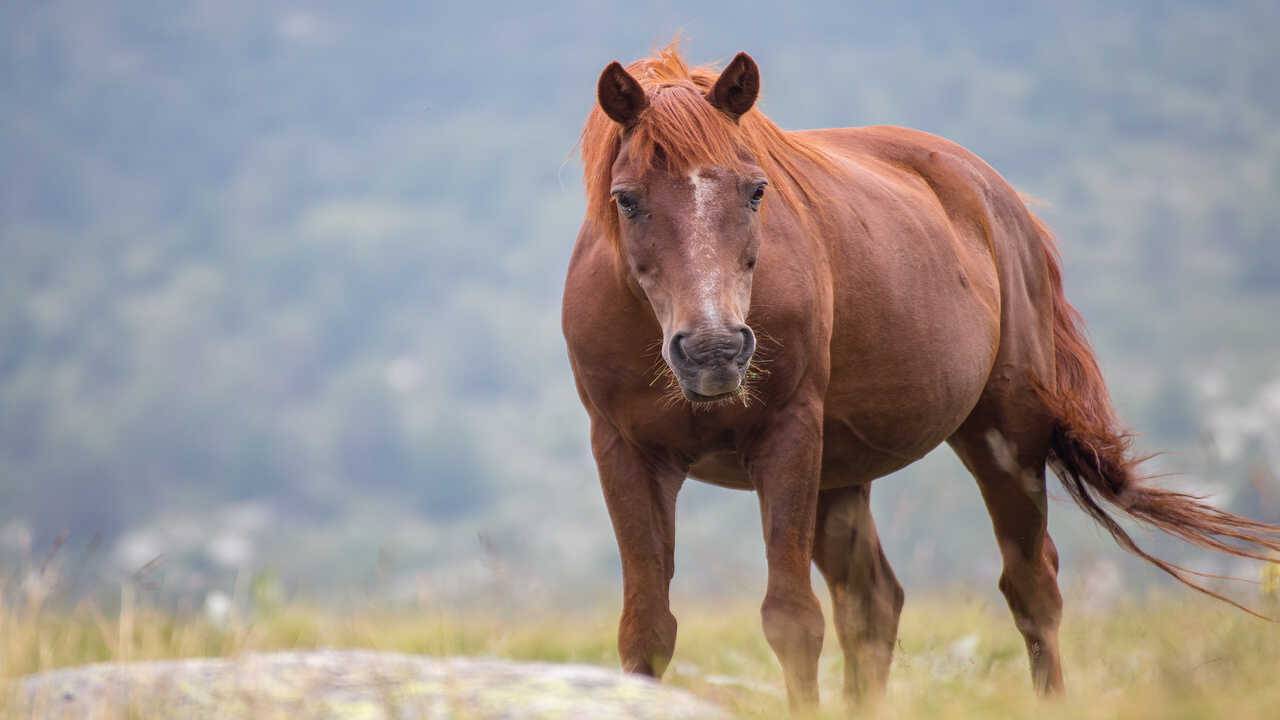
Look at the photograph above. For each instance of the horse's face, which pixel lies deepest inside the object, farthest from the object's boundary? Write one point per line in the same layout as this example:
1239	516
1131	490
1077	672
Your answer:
690	244
690	241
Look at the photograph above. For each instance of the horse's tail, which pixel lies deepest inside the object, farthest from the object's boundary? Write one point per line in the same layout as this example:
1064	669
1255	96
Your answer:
1091	454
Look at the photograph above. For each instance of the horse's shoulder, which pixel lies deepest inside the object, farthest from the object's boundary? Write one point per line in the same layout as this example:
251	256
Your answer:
591	274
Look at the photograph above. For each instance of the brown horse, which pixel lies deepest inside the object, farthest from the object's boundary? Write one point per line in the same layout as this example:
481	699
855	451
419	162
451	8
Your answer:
903	296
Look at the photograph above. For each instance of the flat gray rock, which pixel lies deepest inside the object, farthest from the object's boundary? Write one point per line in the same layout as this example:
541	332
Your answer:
351	685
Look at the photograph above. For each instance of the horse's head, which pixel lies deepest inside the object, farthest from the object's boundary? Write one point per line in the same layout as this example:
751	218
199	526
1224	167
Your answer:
689	231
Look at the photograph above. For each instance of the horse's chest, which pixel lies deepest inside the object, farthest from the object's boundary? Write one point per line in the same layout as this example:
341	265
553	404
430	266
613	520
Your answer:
724	468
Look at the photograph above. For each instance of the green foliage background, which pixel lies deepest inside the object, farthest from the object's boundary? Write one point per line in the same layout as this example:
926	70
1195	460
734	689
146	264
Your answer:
279	284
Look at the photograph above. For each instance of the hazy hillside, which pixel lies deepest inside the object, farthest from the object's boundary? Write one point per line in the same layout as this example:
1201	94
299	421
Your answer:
279	287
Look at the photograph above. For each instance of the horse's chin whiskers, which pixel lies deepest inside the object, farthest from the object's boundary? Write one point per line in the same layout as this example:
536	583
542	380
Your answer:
673	397
660	371
745	396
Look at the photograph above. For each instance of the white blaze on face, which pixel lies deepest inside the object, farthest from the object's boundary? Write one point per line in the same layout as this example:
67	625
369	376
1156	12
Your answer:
702	243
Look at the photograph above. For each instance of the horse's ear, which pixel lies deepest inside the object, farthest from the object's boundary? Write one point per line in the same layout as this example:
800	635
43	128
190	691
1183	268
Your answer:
621	97
738	87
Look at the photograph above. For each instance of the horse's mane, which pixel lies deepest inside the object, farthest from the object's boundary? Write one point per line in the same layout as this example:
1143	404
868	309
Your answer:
685	131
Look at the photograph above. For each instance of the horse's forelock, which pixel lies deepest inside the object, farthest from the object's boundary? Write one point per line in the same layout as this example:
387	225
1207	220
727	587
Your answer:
682	127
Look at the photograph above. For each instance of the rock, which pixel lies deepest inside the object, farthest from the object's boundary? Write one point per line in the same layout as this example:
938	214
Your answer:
350	685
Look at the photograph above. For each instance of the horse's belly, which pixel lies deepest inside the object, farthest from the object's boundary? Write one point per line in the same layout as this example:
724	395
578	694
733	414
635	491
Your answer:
898	401
850	458
846	460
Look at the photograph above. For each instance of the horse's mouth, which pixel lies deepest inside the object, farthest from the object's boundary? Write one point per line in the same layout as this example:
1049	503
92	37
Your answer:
714	386
700	398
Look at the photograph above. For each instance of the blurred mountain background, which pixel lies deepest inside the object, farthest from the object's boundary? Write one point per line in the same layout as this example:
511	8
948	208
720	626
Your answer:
280	281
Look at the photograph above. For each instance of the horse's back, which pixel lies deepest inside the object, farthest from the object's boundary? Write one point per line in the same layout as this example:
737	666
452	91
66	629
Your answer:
936	267
983	206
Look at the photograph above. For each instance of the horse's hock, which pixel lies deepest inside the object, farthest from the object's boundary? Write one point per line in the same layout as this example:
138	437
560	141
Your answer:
350	684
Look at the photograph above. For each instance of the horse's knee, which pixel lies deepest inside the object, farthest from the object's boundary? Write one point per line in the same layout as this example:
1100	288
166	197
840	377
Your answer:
646	641
793	624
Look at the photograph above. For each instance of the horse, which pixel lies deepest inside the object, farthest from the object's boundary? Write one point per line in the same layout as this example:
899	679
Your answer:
799	313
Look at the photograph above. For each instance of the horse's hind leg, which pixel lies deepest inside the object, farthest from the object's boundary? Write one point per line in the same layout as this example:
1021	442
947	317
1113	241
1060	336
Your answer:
1004	444
865	594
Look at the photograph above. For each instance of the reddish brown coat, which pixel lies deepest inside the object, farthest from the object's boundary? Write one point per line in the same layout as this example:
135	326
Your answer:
902	295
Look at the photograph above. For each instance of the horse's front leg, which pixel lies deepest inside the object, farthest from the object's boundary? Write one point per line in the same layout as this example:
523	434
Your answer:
785	465
640	491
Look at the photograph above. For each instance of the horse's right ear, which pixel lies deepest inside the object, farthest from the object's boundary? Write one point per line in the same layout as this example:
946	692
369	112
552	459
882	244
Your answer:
621	97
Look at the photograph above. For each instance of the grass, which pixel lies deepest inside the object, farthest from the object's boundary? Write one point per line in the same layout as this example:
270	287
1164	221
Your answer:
1163	657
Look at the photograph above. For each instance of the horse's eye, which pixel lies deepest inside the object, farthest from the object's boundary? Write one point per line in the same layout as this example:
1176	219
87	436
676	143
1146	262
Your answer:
627	204
756	197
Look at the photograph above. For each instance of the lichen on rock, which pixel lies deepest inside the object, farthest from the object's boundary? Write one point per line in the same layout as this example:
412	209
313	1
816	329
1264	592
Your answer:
350	685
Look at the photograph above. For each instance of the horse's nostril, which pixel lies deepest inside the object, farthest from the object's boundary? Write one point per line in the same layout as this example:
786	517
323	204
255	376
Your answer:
678	352
748	345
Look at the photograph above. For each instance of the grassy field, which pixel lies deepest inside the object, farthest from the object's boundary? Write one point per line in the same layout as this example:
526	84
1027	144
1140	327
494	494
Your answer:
1166	657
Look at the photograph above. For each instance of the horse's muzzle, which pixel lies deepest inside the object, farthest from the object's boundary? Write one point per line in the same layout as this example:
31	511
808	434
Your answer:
711	364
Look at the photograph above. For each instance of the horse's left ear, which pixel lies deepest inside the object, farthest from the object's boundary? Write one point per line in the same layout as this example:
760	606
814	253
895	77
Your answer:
738	86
